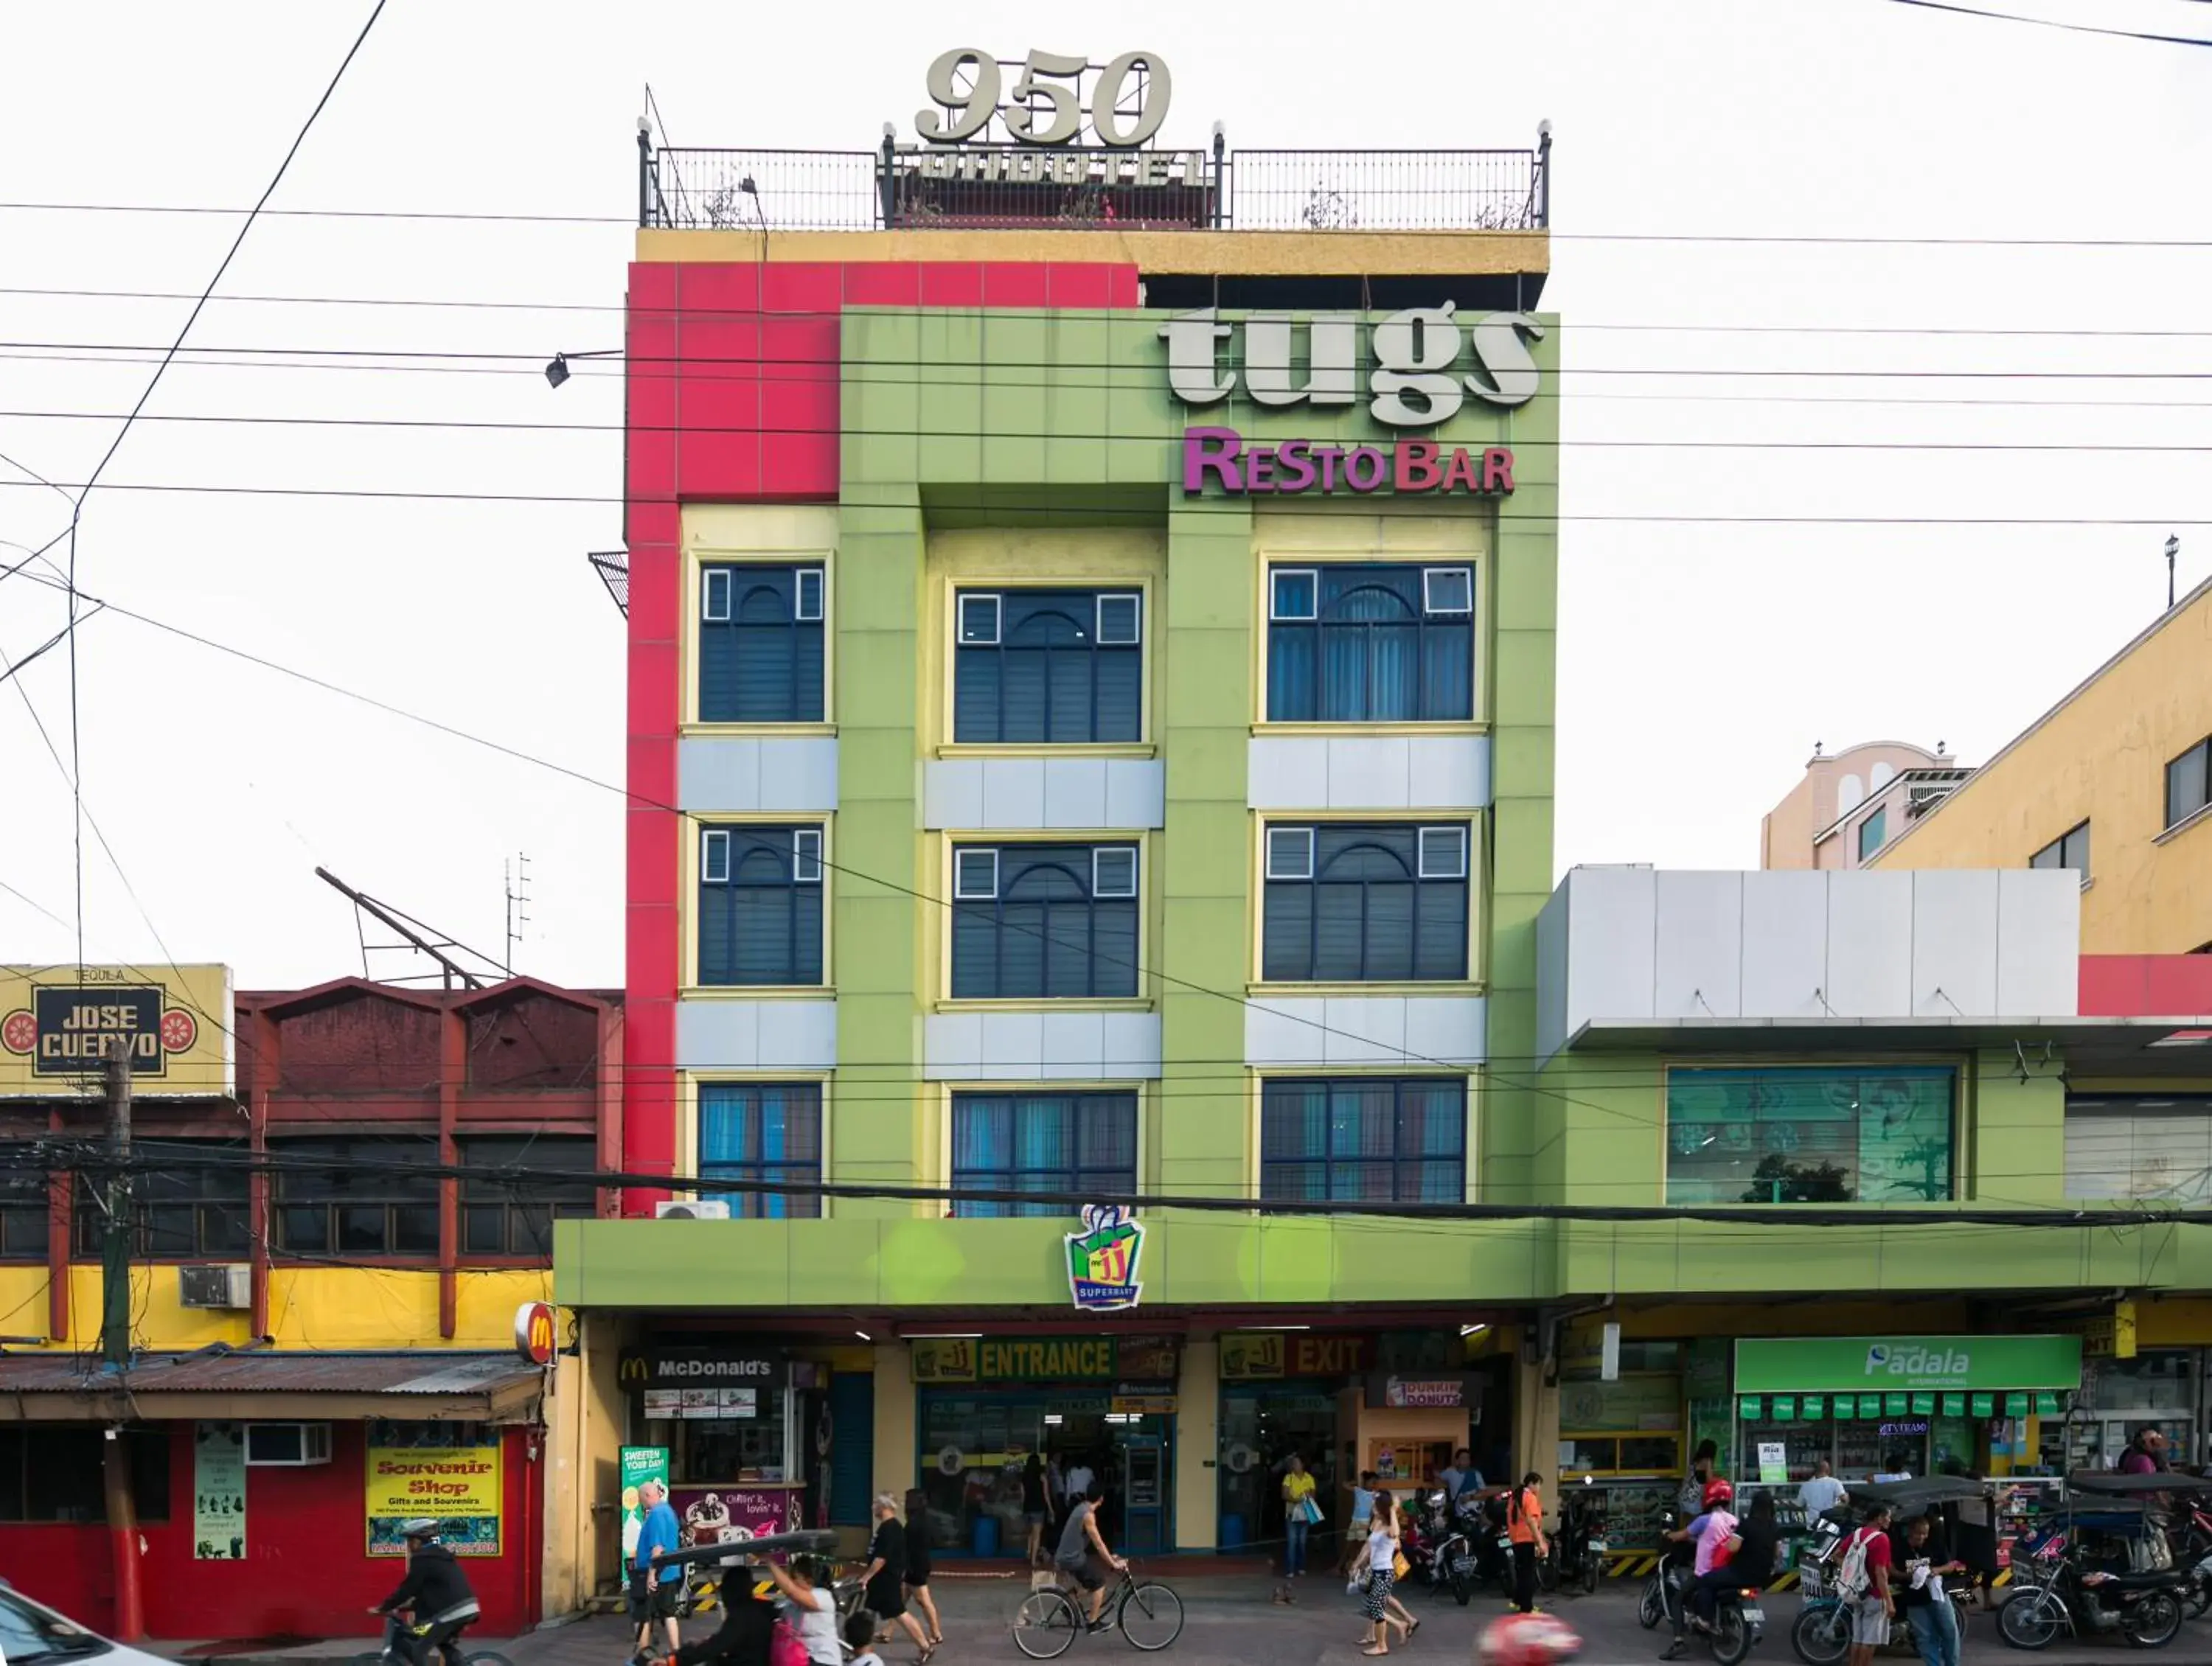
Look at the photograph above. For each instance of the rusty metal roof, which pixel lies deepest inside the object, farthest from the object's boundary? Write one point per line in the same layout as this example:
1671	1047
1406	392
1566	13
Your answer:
416	1372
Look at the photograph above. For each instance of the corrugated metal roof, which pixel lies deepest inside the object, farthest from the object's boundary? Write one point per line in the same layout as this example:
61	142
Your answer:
419	1371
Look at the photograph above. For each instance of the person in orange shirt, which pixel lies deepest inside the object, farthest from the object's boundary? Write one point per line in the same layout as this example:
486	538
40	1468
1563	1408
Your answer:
1524	1526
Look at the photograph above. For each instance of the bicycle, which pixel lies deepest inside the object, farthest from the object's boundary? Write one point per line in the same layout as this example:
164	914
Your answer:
390	1655
1149	1614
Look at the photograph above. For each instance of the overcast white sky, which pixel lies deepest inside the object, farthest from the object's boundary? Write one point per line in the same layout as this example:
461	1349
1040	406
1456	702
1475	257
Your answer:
1698	662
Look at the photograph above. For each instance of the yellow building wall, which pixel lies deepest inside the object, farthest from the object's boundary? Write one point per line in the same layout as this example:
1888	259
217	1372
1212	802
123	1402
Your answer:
2101	757
309	1307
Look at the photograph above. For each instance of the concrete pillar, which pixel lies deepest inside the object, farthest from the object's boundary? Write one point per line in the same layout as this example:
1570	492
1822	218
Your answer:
895	1462
1535	1425
1198	1445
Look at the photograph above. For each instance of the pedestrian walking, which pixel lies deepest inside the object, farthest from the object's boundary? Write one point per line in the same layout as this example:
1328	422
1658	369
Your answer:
1356	1526
885	1577
653	1592
1382	1574
1037	1493
918	1548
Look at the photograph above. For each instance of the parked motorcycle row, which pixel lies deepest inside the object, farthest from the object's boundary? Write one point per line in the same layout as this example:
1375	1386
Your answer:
1462	1545
2132	1556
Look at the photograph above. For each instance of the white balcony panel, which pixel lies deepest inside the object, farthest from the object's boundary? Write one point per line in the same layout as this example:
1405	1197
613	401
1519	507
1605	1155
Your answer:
1044	795
1379	772
721	1034
1380	1032
1041	1046
773	775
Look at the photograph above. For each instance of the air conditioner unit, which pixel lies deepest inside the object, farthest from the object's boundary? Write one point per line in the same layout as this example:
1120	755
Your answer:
287	1445
703	1209
227	1285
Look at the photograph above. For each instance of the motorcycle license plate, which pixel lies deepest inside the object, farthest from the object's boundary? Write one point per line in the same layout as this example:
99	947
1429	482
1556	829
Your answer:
1754	1616
1597	1547
1505	1543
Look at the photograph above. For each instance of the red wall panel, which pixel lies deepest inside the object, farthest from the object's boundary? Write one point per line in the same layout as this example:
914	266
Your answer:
308	1572
2146	985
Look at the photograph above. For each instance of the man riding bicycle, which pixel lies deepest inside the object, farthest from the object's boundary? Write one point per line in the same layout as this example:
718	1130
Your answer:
1083	1555
436	1592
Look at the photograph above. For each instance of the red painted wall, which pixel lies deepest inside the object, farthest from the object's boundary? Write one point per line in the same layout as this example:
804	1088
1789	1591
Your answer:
306	1571
2146	985
732	385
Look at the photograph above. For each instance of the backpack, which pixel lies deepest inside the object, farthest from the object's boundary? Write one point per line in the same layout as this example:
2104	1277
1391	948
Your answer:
1852	1578
784	1648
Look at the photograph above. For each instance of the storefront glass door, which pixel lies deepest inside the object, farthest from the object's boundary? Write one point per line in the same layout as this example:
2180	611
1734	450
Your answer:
1261	1427
975	1442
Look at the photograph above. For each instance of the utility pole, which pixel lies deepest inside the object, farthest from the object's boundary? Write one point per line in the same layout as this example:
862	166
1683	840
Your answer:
115	1343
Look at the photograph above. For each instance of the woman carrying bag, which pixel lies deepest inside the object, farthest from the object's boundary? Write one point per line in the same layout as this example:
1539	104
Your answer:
1301	1515
1383	1563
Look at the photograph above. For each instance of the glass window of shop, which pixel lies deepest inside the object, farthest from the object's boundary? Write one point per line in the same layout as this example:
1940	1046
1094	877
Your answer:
729	1416
975	1442
1811	1135
2121	1398
1625	1436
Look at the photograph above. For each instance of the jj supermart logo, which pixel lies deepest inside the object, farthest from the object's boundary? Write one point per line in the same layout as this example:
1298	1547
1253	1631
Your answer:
1915	1360
70	1030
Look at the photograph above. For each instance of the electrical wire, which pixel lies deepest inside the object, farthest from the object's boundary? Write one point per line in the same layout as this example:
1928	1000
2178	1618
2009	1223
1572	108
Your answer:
87	1158
1675	443
366	494
690	313
1075	237
890	885
2056	23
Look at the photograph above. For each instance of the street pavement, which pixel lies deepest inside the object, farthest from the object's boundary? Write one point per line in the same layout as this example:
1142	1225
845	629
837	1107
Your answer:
1234	1621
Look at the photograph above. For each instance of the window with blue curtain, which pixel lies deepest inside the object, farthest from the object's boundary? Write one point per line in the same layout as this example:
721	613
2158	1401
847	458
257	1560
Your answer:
760	905
760	643
1815	1134
1047	667
1082	1145
1044	922
1360	903
766	1132
1359	642
1360	1139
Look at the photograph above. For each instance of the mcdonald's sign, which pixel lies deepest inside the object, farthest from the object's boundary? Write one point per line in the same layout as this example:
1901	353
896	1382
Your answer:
701	1367
533	1332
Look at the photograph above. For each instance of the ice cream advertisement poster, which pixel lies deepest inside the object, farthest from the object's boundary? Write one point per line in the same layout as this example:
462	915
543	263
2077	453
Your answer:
1102	1260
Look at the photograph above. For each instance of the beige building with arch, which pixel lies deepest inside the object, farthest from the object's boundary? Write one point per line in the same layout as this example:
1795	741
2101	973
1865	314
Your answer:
1851	804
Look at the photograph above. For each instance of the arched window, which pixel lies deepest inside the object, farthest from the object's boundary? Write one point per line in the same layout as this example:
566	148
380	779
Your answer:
760	644
760	905
1047	667
1044	922
1354	903
1363	643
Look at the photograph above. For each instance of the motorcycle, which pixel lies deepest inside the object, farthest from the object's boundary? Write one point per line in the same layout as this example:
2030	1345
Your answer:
1578	1548
2059	1593
1739	1623
1436	1554
1662	1592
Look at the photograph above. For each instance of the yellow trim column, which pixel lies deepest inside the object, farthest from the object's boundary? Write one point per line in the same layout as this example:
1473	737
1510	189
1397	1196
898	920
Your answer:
1198	1442
894	1431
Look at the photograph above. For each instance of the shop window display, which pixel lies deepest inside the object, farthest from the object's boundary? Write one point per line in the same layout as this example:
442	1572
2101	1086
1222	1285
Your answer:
1825	1135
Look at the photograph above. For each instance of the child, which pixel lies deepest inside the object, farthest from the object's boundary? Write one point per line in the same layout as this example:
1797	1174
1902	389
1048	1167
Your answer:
860	1638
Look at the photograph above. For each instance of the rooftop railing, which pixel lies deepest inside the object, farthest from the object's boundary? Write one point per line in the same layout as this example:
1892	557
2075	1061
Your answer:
961	187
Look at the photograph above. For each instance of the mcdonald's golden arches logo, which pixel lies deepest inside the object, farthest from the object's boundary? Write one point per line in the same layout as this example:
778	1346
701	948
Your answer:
533	1332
